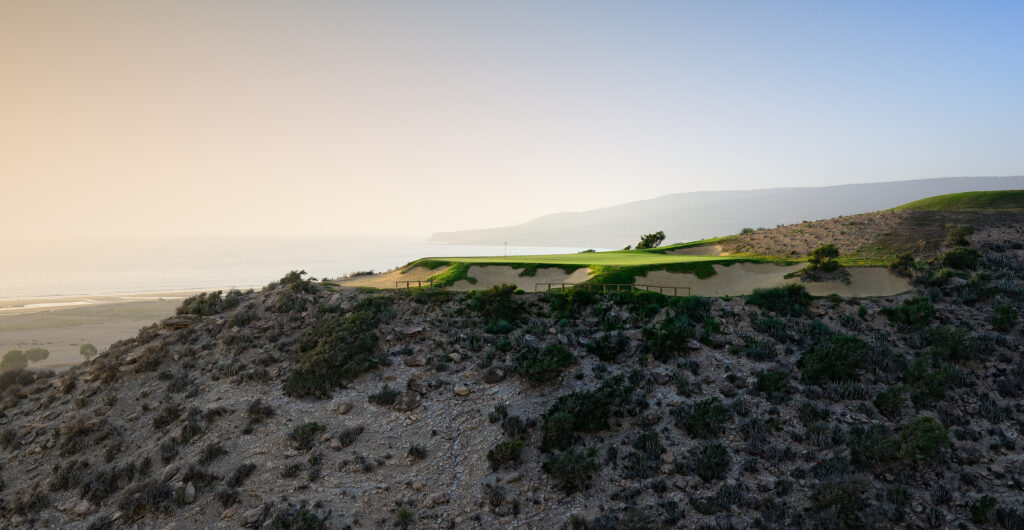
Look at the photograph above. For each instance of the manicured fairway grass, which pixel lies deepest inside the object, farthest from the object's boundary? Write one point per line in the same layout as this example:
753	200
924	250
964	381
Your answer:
612	267
618	258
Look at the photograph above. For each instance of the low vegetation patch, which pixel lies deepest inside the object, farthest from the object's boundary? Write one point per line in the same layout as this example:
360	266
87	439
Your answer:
791	300
833	358
385	397
337	350
545	365
305	435
924	441
584	411
709	462
506	454
916	313
573	470
703	419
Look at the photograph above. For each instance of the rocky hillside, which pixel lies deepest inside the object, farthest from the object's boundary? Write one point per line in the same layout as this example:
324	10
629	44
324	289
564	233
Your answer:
877	235
302	407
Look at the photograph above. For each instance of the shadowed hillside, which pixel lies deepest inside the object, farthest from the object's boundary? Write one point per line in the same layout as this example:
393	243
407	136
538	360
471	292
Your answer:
303	406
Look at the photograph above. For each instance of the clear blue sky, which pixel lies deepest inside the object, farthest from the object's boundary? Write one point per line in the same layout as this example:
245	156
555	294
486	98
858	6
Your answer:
421	116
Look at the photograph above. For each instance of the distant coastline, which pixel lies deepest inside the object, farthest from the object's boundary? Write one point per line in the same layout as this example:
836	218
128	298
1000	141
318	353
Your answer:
86	269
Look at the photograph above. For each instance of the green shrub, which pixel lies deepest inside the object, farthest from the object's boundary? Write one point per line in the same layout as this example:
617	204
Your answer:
1004	317
211	452
543	366
258	411
756	349
773	327
337	350
840	501
499	327
583	411
88	351
9	439
294	281
573	470
34	355
824	257
709	462
13	360
929	378
151	496
872	447
404	517
916	313
924	441
790	300
240	475
703	419
952	344
506	453
682	383
167	415
203	304
903	265
497	303
962	258
981	509
956	235
243	317
833	358
569	303
774	384
301	518
670	338
304	436
608	346
385	397
890	401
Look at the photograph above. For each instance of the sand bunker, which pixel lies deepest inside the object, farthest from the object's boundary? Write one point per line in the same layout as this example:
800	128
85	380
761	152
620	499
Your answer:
490	276
864	281
738	279
387	280
741	279
733	280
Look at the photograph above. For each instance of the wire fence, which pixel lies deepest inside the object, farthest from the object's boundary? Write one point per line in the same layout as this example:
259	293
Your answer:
419	284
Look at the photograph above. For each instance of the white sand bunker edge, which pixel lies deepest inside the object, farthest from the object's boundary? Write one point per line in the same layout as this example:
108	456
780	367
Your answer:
740	279
493	275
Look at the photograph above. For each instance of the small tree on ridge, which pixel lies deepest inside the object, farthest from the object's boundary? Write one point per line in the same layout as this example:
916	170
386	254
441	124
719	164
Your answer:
651	240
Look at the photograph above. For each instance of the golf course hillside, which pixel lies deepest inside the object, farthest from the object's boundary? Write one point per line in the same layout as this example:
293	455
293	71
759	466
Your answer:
971	200
866	247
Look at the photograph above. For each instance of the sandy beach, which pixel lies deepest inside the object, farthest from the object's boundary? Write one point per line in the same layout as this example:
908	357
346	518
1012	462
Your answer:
63	324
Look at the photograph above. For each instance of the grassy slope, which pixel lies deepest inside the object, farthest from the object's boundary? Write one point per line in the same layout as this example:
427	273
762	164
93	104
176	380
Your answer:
617	266
971	200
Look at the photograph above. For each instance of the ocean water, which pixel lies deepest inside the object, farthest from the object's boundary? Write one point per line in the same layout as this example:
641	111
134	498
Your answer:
36	269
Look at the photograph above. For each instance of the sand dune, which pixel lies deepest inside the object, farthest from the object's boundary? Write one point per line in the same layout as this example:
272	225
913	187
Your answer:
387	280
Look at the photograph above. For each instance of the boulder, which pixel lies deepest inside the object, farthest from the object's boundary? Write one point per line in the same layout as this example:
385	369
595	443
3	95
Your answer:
408	400
494	375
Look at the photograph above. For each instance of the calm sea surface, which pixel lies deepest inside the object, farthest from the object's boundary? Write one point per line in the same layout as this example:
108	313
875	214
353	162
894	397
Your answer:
83	268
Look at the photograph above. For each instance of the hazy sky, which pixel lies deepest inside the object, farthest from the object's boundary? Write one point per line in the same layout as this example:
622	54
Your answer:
340	117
